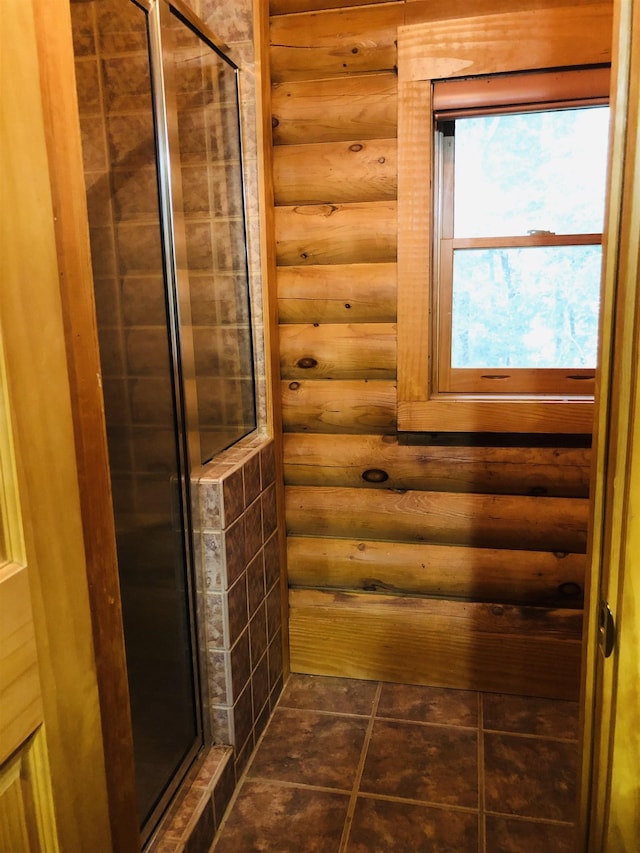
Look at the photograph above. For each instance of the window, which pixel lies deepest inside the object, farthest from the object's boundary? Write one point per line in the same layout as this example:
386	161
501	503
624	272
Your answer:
519	201
501	186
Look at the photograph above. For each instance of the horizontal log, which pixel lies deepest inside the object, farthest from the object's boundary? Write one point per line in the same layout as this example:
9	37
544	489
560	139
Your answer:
332	172
439	518
362	107
347	460
526	650
351	406
286	7
314	46
340	293
338	351
421	10
539	578
336	233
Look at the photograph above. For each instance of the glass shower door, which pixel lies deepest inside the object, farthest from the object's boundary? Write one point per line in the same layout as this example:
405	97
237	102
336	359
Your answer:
141	372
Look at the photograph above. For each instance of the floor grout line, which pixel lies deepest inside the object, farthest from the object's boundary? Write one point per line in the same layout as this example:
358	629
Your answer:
346	831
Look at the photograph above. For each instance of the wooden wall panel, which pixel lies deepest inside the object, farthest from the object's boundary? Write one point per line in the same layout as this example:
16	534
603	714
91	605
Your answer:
340	351
337	293
483	521
336	172
339	406
336	233
336	43
379	461
335	110
533	651
446	571
465	524
285	7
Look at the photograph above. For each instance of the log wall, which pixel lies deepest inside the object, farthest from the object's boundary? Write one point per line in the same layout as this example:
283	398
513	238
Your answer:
458	565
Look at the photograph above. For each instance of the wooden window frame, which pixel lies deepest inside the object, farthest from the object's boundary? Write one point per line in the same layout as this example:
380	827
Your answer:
532	40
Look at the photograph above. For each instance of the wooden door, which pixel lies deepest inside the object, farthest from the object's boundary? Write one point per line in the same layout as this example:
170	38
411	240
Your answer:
611	789
52	768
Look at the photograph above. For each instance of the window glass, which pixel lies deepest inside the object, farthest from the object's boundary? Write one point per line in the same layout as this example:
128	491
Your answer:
531	307
520	172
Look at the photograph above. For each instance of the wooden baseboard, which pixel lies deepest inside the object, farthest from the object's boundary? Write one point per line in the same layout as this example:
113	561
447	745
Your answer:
532	651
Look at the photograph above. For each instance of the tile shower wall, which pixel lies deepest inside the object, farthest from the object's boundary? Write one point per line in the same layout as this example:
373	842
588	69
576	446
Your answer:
238	592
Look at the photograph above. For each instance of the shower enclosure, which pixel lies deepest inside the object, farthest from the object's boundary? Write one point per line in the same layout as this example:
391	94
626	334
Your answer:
159	110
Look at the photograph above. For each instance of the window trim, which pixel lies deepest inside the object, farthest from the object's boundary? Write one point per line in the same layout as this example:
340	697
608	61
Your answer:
457	48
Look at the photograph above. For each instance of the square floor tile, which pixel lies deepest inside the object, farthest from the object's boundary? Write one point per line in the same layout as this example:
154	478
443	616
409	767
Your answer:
434	764
507	835
429	704
383	826
530	715
268	818
310	748
531	777
319	693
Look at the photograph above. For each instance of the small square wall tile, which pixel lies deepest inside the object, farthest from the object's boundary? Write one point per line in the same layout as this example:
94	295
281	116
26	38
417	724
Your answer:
251	475
269	511
262	720
219	677
232	496
221	725
274	610
213	561
253	529
240	664
275	660
267	465
258	634
243	755
272	561
243	716
255	582
238	611
234	550
216	619
260	686
210	499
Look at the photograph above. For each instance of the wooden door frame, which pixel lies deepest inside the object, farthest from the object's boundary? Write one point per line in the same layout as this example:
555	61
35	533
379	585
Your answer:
613	575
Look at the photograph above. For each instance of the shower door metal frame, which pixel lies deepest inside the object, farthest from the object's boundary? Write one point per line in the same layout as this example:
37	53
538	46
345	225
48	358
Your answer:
179	323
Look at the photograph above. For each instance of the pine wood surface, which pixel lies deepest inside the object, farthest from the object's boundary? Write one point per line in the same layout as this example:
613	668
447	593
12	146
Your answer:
336	233
446	571
340	406
485	521
335	110
337	293
532	651
338	351
460	46
342	42
356	170
513	519
380	462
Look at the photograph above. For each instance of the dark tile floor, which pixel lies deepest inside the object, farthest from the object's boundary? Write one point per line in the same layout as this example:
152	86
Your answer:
350	766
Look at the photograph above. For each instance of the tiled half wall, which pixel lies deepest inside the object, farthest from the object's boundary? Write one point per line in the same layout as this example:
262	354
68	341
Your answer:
238	592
